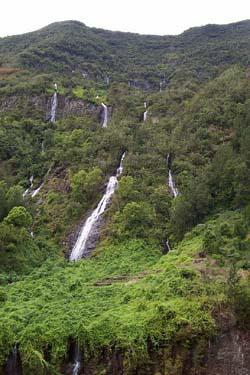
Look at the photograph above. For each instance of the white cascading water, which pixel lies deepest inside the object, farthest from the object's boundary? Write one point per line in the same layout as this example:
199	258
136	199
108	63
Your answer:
167	245
80	245
53	108
30	187
77	360
145	116
171	182
105	115
76	368
36	191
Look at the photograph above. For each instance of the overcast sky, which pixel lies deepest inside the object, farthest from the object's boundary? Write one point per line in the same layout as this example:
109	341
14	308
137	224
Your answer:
142	16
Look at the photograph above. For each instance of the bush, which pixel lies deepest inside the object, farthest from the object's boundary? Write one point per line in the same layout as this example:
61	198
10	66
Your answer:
19	217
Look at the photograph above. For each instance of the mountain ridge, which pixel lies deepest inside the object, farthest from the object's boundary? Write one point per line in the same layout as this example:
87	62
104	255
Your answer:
72	46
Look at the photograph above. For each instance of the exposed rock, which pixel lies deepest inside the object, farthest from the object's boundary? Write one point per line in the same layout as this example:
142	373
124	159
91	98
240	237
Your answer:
40	106
13	365
229	354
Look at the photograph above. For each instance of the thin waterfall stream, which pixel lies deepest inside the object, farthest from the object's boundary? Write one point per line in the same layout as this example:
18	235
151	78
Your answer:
105	116
13	365
27	191
173	189
77	360
36	191
53	108
81	247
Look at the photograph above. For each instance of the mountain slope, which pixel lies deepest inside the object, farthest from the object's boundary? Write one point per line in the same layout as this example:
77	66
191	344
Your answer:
168	276
71	46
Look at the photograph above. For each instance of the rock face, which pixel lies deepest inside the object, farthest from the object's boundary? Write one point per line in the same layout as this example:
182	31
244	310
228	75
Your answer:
40	106
71	107
230	354
13	365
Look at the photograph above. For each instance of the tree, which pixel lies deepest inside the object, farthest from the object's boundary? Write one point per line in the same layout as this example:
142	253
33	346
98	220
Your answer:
19	216
126	191
135	220
14	197
84	185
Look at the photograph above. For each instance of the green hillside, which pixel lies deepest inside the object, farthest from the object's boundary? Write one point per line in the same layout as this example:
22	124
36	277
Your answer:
168	276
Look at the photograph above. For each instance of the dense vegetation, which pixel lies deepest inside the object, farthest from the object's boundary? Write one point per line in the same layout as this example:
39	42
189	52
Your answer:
129	298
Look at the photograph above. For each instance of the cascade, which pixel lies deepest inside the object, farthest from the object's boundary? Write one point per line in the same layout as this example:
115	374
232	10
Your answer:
14	365
30	187
53	108
77	360
105	116
36	191
80	248
30	190
167	245
171	182
145	116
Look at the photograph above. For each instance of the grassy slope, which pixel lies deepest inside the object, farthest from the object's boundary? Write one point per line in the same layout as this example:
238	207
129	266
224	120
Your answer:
124	296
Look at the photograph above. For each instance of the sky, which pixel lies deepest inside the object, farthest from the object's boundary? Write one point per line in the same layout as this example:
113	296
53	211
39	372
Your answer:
160	17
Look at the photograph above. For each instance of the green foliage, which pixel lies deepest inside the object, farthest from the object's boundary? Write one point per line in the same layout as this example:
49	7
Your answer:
19	217
135	220
127	296
14	197
85	185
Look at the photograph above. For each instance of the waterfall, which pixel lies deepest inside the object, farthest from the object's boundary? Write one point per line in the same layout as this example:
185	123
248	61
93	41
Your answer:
13	365
145	116
167	245
30	187
77	360
145	104
171	182
80	248
36	191
105	116
42	147
53	108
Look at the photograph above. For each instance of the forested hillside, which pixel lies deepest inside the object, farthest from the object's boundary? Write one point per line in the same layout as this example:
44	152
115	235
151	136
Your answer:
125	202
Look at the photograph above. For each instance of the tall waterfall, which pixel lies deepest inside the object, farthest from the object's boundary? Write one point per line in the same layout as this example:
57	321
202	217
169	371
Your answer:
145	116
80	248
171	182
53	108
105	115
